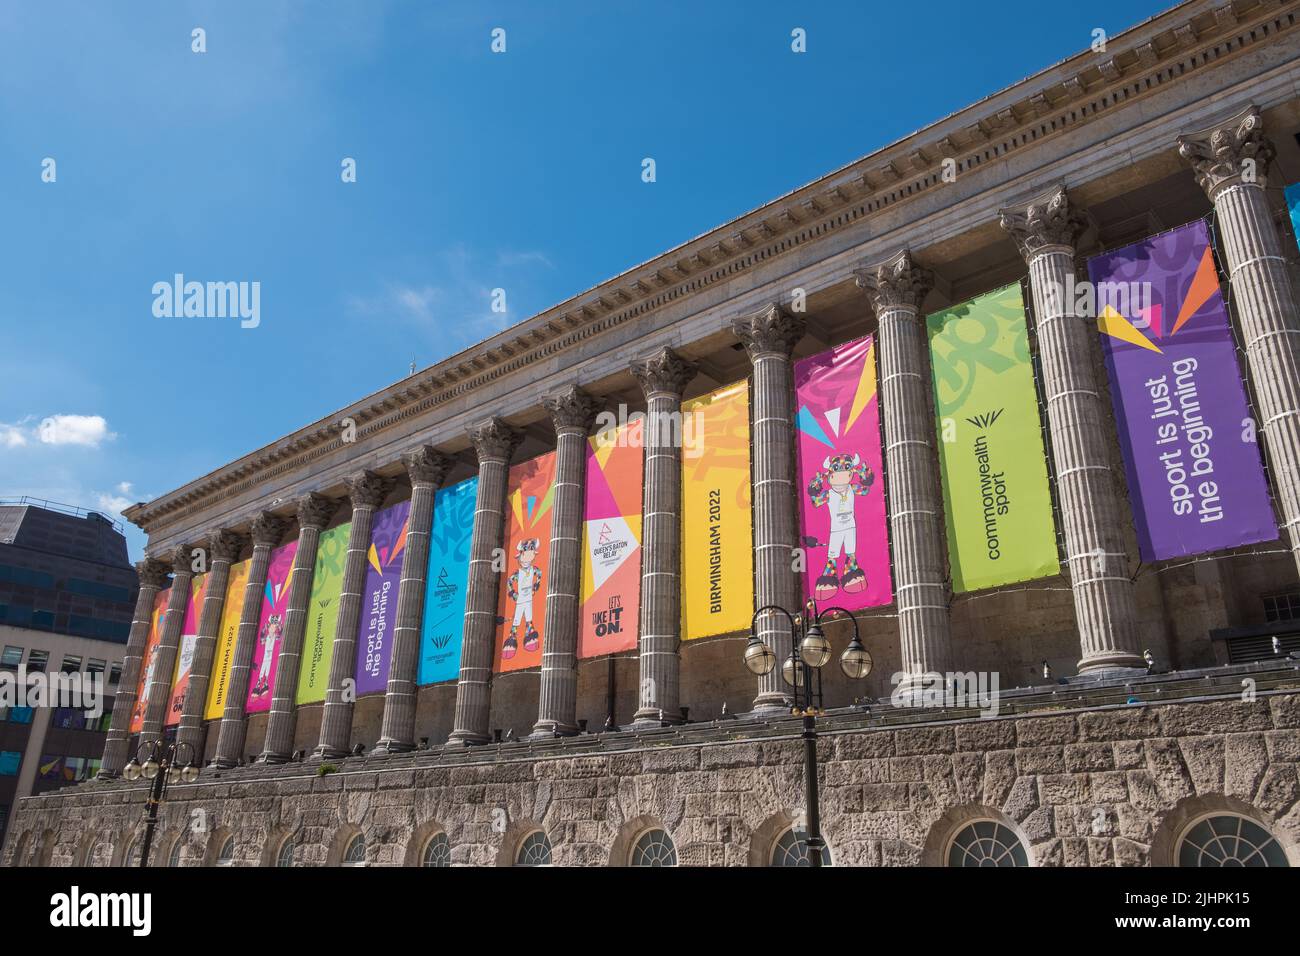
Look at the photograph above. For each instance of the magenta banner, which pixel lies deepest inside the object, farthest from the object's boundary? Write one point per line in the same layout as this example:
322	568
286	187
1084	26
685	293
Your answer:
1195	476
270	628
841	496
379	597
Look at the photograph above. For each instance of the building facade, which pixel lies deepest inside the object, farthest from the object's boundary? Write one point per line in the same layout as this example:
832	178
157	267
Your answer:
451	622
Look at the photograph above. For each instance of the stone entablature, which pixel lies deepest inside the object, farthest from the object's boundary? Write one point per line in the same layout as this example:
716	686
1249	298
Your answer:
808	230
1096	786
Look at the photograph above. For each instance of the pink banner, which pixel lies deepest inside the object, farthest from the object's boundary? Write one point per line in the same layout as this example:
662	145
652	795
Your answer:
270	628
841	494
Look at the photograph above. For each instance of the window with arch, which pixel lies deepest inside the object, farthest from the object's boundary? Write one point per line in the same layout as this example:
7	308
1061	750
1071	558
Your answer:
174	857
437	852
226	856
654	848
132	857
284	856
792	850
534	851
986	843
355	854
1229	840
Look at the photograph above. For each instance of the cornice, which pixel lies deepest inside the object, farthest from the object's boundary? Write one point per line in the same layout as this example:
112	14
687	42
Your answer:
1140	61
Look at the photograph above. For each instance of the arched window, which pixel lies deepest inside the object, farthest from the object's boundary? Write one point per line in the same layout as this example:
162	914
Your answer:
986	843
791	850
654	848
132	857
227	855
437	852
174	857
534	851
285	855
1226	839
355	854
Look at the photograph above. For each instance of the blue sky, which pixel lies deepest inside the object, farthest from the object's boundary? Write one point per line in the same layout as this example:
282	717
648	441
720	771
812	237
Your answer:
475	171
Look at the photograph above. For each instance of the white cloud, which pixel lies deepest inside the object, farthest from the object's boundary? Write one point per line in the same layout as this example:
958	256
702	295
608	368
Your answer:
88	430
11	436
117	503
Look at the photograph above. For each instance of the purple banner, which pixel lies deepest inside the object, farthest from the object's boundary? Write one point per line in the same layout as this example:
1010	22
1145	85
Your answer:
379	597
1194	471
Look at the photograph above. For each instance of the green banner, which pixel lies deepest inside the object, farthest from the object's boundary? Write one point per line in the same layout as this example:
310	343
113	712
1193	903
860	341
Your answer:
322	612
996	499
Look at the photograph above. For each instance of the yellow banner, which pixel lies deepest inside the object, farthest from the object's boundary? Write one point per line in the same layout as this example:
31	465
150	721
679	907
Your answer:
717	532
225	649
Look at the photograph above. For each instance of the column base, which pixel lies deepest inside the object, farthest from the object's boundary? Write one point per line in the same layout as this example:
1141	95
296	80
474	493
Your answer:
1118	664
220	764
328	753
461	739
650	719
267	757
549	729
1109	672
386	747
767	705
108	775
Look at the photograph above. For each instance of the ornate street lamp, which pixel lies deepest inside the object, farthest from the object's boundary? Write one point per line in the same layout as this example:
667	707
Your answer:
164	763
810	651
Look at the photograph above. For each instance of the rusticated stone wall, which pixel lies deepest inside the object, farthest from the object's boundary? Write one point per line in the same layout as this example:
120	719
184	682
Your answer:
1097	786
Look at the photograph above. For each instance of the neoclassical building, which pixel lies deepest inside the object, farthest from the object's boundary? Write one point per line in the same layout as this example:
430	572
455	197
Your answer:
1149	707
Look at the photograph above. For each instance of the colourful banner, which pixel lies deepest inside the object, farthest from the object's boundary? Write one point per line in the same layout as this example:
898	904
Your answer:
444	596
717	528
379	597
1293	206
185	652
149	659
322	613
270	628
1195	476
841	495
224	652
997	503
529	494
611	542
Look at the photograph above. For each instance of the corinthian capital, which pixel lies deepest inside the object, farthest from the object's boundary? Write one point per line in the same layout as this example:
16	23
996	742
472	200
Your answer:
1048	221
225	545
315	511
1232	152
426	465
572	408
152	573
367	489
665	371
494	439
267	530
898	282
182	560
773	330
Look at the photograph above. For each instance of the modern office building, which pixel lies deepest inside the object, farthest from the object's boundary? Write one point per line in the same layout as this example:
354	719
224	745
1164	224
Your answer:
1019	393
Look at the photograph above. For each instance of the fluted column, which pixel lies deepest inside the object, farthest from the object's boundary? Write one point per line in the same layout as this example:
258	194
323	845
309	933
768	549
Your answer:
573	412
266	533
1105	602
158	693
224	548
314	512
662	377
152	575
427	468
1231	162
494	443
897	288
367	492
769	338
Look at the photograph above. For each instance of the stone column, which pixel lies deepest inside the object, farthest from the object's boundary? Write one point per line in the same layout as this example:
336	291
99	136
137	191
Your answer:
1231	162
152	575
769	338
427	468
573	412
158	693
897	288
224	548
367	492
314	512
1105	603
267	531
494	442
663	377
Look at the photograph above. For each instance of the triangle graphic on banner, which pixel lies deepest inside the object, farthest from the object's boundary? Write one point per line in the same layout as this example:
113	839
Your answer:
808	425
1204	284
607	532
866	390
1116	326
833	419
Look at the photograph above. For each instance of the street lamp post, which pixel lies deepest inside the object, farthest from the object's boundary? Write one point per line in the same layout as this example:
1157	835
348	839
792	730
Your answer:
165	763
809	652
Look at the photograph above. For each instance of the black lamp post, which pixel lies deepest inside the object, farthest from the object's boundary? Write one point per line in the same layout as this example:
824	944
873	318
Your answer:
165	763
809	653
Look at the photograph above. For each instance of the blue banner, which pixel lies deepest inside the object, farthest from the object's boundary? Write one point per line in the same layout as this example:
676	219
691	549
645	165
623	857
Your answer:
444	598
